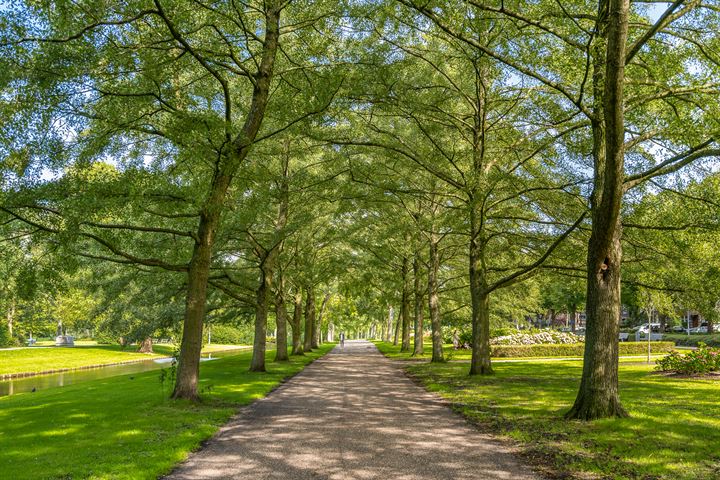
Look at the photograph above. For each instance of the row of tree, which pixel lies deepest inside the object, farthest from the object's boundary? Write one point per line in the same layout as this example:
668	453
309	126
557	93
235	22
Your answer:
231	154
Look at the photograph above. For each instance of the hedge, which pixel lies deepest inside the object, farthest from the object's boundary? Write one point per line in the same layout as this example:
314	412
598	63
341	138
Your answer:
693	340
574	349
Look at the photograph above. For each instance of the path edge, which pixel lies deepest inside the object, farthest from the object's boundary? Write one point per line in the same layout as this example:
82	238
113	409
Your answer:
240	411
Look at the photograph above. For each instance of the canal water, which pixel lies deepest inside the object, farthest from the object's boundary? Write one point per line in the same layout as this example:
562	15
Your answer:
55	380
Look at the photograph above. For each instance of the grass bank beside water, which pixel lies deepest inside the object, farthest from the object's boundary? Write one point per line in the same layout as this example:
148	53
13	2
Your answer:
125	427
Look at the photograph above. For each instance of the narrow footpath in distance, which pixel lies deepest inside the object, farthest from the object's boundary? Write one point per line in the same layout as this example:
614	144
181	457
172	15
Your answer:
351	415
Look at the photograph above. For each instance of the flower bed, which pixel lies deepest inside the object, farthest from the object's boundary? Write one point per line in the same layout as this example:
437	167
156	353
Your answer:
546	337
703	360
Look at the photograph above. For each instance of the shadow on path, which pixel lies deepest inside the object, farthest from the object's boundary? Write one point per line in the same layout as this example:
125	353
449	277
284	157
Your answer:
351	415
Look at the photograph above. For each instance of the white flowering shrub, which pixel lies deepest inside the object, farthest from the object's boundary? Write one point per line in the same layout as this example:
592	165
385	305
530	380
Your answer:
544	337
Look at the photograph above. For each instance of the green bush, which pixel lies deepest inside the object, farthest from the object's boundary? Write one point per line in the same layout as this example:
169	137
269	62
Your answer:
574	349
702	360
694	340
502	331
230	335
5	339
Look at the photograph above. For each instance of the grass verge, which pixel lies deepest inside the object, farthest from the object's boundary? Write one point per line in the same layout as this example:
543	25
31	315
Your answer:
125	427
35	360
673	432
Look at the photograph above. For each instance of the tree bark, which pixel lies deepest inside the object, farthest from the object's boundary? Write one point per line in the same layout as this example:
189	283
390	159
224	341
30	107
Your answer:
257	363
331	332
188	371
598	395
281	350
268	261
318	330
297	346
398	322
146	346
433	301
309	318
480	362
479	292
405	346
390	318
11	317
418	348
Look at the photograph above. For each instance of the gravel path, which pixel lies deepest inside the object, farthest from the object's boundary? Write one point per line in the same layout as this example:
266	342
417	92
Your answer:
351	415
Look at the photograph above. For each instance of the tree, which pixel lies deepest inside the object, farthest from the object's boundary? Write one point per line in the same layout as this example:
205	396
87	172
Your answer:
589	51
194	103
447	109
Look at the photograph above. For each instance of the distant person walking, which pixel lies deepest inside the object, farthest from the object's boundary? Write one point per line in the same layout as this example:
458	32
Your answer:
342	339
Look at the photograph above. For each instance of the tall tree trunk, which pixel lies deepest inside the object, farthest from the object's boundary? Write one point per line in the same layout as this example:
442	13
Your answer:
419	296
188	371
573	317
309	318
318	325
146	346
480	300
710	321
398	323
11	317
405	346
598	395
297	346
257	363
433	301
389	324
480	362
479	293
268	262
281	350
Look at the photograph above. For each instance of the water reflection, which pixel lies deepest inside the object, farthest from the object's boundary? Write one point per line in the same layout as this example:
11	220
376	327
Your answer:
62	379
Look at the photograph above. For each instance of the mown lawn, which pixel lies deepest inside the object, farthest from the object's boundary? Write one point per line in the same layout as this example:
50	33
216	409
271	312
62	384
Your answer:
36	359
673	432
125	427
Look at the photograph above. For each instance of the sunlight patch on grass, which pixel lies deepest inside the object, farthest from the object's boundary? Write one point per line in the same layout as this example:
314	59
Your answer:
116	428
672	433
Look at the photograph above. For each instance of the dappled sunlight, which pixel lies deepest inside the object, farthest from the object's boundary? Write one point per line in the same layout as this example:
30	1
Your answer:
117	427
673	420
351	414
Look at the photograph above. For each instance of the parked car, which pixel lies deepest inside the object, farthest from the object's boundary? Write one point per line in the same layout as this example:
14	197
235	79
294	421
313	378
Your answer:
644	328
678	328
699	330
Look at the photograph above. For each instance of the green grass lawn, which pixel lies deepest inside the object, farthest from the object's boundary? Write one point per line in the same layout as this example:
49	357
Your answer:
673	432
34	359
125	427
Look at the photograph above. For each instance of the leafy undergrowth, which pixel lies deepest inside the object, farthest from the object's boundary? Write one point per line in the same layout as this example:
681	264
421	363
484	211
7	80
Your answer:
125	427
673	432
